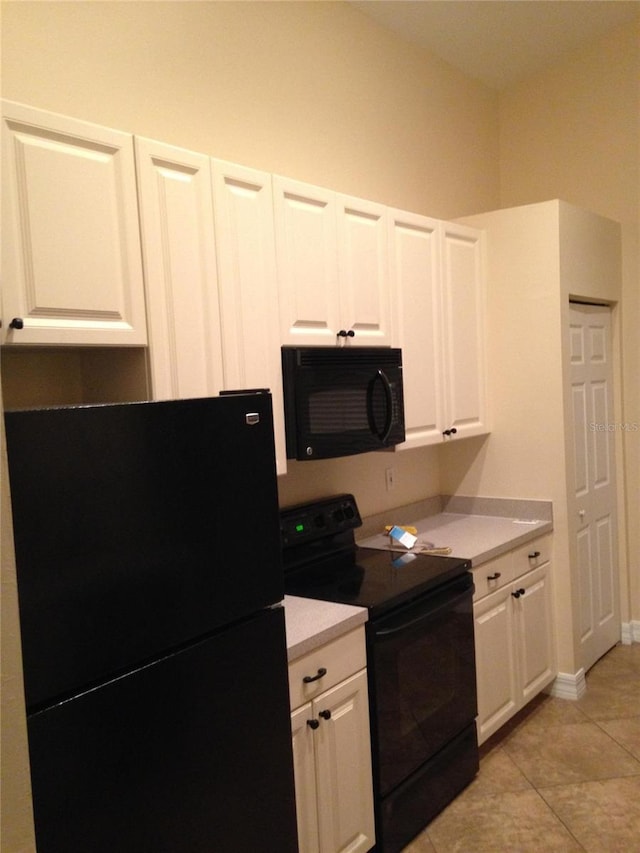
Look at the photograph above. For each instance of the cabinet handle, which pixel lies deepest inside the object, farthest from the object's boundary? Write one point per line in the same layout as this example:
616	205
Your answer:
17	323
344	334
451	431
326	715
493	577
313	724
309	678
518	593
534	555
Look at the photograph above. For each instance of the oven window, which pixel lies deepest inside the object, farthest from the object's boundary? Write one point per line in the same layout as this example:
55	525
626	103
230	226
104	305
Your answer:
424	686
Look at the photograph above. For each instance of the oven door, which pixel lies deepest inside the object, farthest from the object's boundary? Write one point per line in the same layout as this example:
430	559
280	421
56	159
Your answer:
423	682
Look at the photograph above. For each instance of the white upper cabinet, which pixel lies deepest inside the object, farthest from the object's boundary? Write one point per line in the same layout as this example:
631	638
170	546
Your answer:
248	292
70	241
463	318
177	225
415	266
332	267
306	244
363	271
436	269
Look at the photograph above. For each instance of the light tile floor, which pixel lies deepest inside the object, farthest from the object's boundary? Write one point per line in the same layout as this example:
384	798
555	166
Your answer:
561	776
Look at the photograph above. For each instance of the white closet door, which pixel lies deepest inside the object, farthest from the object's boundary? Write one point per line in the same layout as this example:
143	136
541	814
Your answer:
594	522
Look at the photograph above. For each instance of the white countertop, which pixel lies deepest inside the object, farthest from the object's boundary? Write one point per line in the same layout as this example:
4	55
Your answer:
310	623
473	537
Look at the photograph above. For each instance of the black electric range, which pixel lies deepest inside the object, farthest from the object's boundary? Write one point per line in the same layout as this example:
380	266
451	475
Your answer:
420	658
377	580
322	561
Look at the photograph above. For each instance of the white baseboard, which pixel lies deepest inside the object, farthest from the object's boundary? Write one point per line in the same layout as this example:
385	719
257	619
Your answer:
630	633
573	686
568	685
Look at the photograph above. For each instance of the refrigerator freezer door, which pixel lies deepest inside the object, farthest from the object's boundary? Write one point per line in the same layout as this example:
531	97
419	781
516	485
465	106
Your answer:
189	754
138	528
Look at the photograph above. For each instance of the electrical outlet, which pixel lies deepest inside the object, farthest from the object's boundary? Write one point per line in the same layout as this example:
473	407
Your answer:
390	478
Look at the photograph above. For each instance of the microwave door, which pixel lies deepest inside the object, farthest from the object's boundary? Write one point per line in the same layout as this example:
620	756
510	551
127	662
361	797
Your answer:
380	406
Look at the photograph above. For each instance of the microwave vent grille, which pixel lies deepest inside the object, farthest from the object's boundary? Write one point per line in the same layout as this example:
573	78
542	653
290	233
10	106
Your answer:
377	357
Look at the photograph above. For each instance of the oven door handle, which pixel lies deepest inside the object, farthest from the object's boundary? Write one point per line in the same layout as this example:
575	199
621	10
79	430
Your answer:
448	604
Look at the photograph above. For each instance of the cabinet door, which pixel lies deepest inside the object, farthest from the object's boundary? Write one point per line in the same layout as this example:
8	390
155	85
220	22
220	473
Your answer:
180	269
535	635
496	664
304	768
415	271
71	246
247	284
365	306
463	320
306	242
343	757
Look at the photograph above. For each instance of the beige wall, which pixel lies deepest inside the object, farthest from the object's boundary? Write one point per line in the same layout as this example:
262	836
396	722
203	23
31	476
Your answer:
16	820
318	92
315	91
573	132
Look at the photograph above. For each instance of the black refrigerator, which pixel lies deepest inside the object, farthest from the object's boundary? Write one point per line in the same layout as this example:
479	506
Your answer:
155	669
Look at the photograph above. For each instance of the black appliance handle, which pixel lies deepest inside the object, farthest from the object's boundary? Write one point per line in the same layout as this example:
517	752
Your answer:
386	432
449	603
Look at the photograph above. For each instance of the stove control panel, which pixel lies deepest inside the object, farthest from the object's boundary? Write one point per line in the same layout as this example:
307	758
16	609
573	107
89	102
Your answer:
318	519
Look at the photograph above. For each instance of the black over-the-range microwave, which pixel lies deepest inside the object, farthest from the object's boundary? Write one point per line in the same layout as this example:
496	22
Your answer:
339	401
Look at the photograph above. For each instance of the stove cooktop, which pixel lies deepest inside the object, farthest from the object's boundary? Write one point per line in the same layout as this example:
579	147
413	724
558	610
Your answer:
377	580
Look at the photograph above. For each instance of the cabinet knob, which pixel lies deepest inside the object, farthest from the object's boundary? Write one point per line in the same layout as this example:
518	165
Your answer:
518	593
17	323
309	678
313	724
451	431
493	577
326	715
344	334
534	555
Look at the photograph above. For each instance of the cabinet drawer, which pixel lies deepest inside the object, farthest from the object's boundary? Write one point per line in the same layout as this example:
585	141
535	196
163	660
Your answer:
533	554
493	574
340	658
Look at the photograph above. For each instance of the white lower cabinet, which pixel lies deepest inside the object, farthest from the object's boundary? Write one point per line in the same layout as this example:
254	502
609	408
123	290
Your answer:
332	748
515	653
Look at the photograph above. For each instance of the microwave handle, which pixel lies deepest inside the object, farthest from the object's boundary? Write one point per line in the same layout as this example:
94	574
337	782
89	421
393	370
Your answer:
382	376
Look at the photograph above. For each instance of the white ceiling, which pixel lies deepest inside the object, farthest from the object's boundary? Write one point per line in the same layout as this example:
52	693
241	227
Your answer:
500	41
